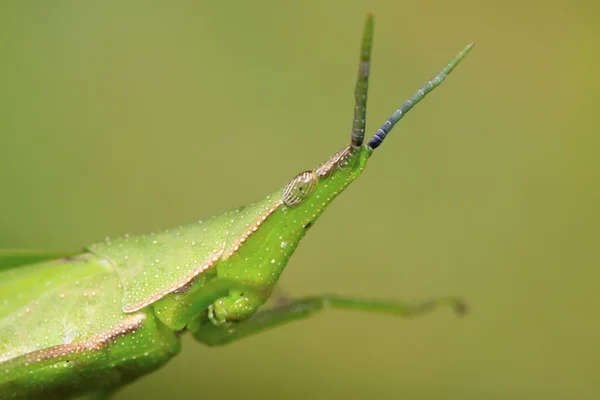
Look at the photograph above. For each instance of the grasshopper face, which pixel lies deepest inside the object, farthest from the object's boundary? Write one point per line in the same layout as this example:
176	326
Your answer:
266	233
310	192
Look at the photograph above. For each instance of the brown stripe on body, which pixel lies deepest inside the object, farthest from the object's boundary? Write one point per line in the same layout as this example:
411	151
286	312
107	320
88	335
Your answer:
214	256
95	343
337	160
253	228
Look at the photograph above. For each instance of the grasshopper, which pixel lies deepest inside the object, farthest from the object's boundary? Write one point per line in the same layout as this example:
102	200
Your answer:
84	325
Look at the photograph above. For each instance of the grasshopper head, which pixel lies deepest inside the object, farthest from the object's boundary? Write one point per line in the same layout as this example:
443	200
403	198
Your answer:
266	233
309	192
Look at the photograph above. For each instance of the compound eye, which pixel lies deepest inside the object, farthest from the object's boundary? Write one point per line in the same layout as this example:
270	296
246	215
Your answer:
299	188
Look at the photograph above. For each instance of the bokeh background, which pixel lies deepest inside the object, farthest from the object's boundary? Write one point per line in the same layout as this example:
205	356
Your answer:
128	117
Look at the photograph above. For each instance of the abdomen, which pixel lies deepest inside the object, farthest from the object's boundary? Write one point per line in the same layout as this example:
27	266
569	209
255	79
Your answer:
63	331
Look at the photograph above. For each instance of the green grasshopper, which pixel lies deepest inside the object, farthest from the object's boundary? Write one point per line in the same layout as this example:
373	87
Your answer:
83	325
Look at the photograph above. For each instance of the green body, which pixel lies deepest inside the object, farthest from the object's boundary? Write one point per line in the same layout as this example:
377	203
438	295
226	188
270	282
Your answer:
87	324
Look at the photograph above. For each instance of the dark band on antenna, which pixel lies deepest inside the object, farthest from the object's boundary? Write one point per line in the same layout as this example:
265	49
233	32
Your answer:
382	132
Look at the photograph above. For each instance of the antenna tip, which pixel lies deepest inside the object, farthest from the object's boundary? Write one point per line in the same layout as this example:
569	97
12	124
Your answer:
463	53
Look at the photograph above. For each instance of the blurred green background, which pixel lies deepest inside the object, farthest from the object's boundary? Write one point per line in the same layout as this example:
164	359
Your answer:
127	117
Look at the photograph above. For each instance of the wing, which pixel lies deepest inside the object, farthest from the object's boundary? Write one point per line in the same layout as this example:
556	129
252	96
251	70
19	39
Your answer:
12	258
57	302
154	265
